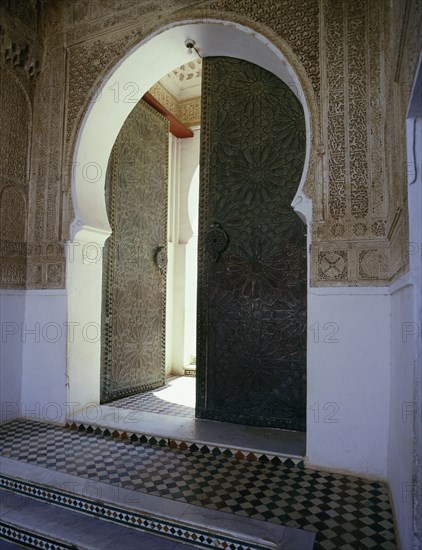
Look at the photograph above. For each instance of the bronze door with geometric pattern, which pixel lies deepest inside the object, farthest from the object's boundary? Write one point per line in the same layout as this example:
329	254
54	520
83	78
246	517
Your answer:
251	349
133	312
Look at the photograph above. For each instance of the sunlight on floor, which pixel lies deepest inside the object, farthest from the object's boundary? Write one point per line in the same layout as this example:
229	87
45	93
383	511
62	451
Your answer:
180	391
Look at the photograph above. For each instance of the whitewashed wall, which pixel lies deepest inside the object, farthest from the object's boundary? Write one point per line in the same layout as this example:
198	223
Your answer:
12	315
33	355
181	280
349	379
405	442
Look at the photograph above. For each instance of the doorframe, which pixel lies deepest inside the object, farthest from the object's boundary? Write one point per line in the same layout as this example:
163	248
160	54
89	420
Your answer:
97	133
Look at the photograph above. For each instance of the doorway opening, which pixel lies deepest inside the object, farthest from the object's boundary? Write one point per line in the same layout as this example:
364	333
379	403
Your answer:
150	261
99	132
252	260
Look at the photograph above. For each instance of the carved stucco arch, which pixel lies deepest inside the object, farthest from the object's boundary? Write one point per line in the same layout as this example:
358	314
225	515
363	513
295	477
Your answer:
228	34
97	124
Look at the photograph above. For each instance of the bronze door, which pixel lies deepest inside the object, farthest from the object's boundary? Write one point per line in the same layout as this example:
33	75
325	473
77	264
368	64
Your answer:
135	257
251	358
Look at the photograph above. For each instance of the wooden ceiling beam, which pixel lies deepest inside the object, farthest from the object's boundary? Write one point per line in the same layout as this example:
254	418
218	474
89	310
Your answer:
178	129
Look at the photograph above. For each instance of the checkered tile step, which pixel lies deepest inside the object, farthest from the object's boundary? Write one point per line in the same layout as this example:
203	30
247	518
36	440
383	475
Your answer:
187	445
150	402
31	540
347	512
120	516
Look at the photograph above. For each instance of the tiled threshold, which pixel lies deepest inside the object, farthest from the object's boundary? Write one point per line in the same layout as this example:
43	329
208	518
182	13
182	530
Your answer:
133	510
244	442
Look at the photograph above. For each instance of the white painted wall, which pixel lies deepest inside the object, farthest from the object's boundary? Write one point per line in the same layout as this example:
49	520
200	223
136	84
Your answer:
44	339
403	408
189	197
349	379
12	315
415	220
33	355
189	158
191	286
84	293
182	269
405	442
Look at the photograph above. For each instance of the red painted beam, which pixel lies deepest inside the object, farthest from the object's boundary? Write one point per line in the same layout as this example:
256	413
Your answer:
176	127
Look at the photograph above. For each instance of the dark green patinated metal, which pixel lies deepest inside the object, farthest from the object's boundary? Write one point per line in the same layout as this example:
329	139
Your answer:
251	357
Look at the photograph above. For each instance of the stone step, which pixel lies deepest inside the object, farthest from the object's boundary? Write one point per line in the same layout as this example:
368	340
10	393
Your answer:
86	507
30	522
233	440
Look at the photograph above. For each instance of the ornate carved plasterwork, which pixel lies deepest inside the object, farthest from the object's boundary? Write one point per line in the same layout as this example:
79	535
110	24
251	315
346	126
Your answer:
82	78
12	214
15	124
98	34
332	265
359	56
46	264
18	56
353	116
348	55
358	263
33	242
189	72
84	20
296	22
188	111
20	44
166	98
48	196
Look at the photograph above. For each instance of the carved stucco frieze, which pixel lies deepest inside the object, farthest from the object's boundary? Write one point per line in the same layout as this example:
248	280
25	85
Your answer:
356	263
85	20
47	221
20	55
87	63
188	111
15	124
363	74
32	254
296	22
353	119
20	46
166	98
361	180
46	265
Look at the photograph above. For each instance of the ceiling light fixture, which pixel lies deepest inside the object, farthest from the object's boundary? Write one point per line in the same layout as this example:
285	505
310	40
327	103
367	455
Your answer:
190	44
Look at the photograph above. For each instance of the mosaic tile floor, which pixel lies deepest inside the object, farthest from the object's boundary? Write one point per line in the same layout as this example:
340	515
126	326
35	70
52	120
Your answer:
178	388
348	513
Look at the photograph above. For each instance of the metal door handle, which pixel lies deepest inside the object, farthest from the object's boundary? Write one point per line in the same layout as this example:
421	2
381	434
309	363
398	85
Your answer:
161	259
216	241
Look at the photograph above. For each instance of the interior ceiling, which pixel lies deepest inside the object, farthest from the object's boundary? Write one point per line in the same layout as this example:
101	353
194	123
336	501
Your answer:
184	82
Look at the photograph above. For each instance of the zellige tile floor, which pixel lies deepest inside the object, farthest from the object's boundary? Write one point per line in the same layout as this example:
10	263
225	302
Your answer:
176	398
347	512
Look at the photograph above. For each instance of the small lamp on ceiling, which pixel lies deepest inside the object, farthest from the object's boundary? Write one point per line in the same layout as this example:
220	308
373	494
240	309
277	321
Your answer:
190	44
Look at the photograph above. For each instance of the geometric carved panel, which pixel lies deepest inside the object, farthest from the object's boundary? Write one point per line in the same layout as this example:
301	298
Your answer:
15	124
251	358
354	162
134	277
